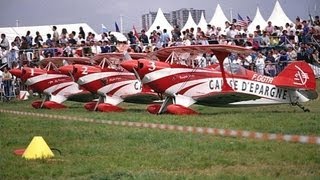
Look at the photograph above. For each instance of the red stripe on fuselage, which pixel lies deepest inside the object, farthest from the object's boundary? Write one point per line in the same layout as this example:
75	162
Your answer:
95	85
60	89
182	91
116	89
47	83
162	84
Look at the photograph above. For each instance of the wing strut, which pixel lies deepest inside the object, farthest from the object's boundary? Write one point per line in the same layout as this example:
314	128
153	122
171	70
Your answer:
221	56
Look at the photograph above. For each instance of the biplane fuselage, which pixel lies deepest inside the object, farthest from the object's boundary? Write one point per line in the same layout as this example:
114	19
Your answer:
227	86
55	86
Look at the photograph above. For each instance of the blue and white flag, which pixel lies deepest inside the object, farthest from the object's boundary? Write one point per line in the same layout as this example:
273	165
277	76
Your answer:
103	28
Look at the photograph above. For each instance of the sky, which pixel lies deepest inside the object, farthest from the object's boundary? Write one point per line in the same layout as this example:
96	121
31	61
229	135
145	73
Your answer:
97	12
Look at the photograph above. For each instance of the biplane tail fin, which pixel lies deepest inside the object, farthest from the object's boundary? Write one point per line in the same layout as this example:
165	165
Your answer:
297	75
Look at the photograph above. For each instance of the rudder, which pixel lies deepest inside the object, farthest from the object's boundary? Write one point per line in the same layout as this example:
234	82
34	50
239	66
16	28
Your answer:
297	74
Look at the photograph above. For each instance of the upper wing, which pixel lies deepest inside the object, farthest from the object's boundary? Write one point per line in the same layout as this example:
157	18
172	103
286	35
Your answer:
59	61
164	53
117	56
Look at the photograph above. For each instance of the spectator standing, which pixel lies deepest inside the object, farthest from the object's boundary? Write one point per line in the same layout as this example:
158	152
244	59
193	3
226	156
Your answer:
3	55
283	37
7	83
270	69
81	31
29	38
260	64
283	60
105	47
55	35
17	41
315	57
164	38
316	21
13	55
63	36
71	39
292	54
265	38
144	38
49	41
4	42
95	47
257	41
38	38
305	32
159	30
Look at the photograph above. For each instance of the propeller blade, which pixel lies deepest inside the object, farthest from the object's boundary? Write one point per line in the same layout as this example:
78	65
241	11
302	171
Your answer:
136	74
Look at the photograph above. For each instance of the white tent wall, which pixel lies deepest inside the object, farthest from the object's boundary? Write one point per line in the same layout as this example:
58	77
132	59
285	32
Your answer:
75	27
43	30
190	23
203	23
219	18
278	17
9	32
161	21
12	32
257	20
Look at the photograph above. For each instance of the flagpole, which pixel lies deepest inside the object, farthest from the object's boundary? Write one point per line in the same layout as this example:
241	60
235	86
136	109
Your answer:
121	29
231	15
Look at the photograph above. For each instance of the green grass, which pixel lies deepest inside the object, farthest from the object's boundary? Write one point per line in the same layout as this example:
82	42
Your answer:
100	151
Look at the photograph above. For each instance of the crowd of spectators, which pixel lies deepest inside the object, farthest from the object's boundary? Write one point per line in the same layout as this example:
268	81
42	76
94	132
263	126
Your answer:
274	46
299	40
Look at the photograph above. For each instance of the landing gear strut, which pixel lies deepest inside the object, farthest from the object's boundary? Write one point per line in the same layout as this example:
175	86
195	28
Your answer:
300	106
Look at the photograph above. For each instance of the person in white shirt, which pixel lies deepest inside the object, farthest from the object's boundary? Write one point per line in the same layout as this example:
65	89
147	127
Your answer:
232	32
3	55
260	64
292	54
245	61
95	48
13	54
212	59
202	61
4	42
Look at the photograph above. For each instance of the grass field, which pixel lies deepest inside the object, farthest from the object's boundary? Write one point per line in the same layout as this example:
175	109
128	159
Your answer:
100	151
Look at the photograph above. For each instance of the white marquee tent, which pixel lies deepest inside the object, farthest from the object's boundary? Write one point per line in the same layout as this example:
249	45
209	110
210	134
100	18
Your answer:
278	17
161	21
190	23
203	23
12	32
257	20
218	19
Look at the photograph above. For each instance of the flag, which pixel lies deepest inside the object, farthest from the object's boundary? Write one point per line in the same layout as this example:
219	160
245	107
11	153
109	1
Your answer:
135	33
249	20
311	19
103	28
117	27
241	22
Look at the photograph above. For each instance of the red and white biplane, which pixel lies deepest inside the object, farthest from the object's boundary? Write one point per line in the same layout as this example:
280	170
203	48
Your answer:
224	85
55	87
110	81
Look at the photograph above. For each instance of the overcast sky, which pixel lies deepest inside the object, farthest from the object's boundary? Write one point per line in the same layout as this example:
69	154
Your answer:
97	12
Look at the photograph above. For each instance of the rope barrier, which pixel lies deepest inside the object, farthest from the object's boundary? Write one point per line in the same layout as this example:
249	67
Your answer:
304	139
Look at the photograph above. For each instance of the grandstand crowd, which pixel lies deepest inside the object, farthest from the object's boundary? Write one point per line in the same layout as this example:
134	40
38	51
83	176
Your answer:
273	44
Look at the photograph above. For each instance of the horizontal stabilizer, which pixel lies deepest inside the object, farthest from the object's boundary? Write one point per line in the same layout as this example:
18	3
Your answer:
261	101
